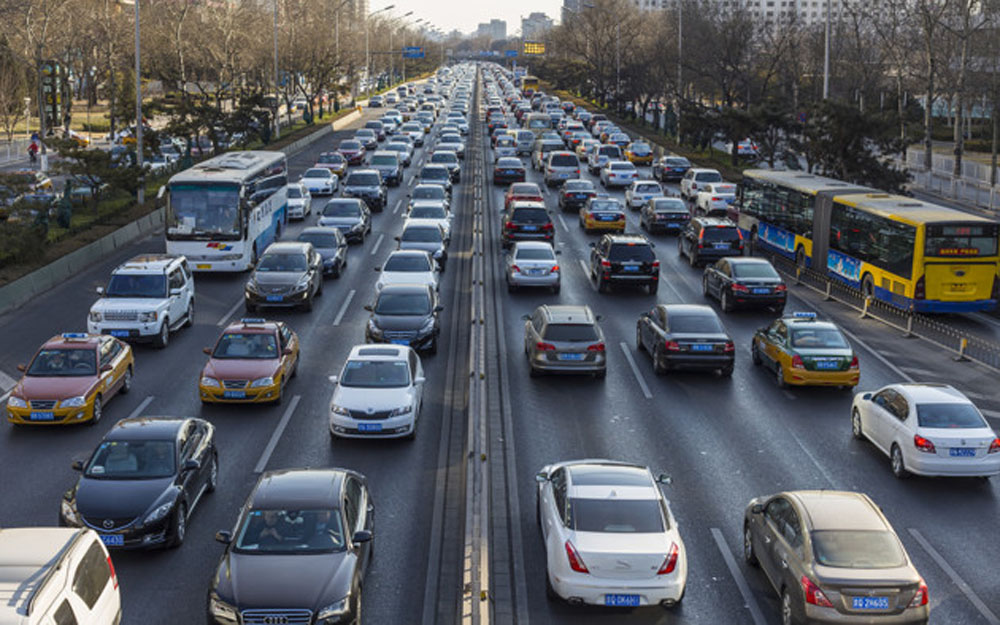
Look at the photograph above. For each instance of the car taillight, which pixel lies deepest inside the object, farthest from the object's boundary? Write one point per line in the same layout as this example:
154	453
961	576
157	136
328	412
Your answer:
670	562
515	268
575	561
545	347
576	171
813	594
555	269
605	264
739	288
547	226
781	288
854	363
567	195
672	346
919	290
730	347
994	446
114	577
797	362
510	225
923	444
715	199
921	598
596	347
656	264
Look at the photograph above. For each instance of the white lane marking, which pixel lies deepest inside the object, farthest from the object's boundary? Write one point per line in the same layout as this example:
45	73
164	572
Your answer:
232	311
586	269
562	222
748	599
878	356
987	319
378	242
635	370
973	598
815	461
6	382
142	406
399	203
276	435
343	307
919	371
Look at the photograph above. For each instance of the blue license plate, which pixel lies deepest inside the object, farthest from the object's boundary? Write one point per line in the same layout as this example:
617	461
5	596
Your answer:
529	228
607	218
632	268
721	246
399	341
112	540
571	356
962	452
621	600
827	364
119	333
43	416
761	291
274	298
369	427
580	196
234	394
870	603
701	347
509	172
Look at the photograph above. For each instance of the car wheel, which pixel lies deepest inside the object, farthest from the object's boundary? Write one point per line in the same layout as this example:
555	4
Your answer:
213	475
433	347
189	319
748	553
535	373
179	529
556	289
779	374
163	337
787	614
692	259
659	367
726	302
896	462
856	430
727	371
652	288
98	411
755	354
126	381
550	592
319	289
337	271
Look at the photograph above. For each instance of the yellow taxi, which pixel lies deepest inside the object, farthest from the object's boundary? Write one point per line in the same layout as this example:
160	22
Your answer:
639	153
79	140
70	380
33	180
602	213
250	363
804	351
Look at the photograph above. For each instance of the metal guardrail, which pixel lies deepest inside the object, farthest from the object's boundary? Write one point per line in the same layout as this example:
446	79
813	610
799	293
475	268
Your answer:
962	345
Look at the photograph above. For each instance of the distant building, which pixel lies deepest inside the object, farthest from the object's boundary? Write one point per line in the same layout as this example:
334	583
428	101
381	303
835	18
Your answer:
568	8
535	25
494	30
775	11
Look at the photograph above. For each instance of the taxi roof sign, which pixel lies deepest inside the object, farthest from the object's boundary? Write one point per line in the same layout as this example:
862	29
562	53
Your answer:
74	335
252	320
804	315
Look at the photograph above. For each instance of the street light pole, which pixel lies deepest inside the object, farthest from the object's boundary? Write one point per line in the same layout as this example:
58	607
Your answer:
826	54
277	123
680	83
368	60
141	192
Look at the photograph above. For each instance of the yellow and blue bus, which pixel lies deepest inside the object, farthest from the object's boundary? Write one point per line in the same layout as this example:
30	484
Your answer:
909	253
528	85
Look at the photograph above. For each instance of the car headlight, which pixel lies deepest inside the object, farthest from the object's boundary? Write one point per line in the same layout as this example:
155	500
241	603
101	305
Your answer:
302	284
341	410
16	402
158	513
218	607
259	382
335	609
373	328
207	381
69	513
147	316
395	412
428	326
73	402
95	316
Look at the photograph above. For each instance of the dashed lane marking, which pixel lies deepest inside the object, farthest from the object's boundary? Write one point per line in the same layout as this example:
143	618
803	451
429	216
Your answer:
562	222
276	435
232	311
142	406
635	370
343	307
378	242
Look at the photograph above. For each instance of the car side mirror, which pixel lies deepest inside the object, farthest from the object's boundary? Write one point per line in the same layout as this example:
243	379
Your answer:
77	465
224	536
757	508
333	378
191	464
287	351
867	397
368	307
22	368
361	536
175	292
438	308
100	290
525	317
663	478
207	350
598	317
396	238
106	368
378	269
541	477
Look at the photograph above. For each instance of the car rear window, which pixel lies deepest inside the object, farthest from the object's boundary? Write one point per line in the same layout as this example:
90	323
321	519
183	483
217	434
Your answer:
564	160
671	205
407	262
677	162
720	233
858	549
754	270
631	252
949	416
341	209
570	332
708	176
695	324
530	215
625	516
605	206
808	338
648	188
362	180
535	254
610	151
622	167
578	185
294	193
384	159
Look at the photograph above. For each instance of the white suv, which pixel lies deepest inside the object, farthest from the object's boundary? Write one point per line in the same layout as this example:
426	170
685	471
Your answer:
147	297
696	178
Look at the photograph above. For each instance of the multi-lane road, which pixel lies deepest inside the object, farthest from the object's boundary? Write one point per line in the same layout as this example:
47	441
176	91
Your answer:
722	440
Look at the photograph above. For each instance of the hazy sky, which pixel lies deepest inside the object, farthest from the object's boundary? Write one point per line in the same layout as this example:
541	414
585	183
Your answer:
465	15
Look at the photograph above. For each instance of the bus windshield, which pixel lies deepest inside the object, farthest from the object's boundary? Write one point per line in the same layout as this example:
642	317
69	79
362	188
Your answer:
204	212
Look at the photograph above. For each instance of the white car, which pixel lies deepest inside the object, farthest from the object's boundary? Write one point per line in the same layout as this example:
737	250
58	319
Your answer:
618	174
430	211
299	201
716	196
610	537
696	178
408	267
147	298
641	192
320	181
927	429
745	147
378	394
532	263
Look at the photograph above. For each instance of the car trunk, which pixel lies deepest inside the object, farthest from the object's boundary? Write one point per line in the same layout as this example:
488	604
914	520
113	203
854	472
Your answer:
622	556
959	442
868	591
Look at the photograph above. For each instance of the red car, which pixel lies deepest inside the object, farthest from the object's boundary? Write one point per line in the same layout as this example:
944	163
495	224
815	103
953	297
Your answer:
353	151
522	191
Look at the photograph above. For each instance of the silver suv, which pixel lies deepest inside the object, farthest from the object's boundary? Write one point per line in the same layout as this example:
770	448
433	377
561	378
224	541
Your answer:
564	339
560	167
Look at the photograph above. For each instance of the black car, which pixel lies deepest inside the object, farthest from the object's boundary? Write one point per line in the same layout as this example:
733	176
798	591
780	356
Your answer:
745	283
670	168
287	274
685	336
139	487
405	314
349	215
526	221
366	184
664	214
298	553
436	174
575	193
624	259
507	170
449	159
709	239
331	245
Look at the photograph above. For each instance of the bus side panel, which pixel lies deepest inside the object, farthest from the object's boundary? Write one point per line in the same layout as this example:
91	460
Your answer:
272	217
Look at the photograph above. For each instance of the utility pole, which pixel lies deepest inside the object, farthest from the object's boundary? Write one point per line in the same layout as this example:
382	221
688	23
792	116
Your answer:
680	82
277	123
141	193
826	54
618	65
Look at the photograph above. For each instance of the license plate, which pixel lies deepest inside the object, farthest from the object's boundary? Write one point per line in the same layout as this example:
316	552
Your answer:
509	172
580	196
761	291
274	298
571	356
369	427
621	600
870	603
234	394
112	540
119	333
607	218
533	272
399	341
721	246
202	266
630	268
827	364
701	347
962	452
43	416
529	228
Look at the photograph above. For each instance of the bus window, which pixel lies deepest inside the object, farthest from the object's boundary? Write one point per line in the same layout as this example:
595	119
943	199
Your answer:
877	240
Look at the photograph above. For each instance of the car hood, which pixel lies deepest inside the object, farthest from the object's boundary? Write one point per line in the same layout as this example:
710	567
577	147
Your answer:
327	253
278	278
429	246
118	499
240	368
310	581
53	388
400	322
126	304
377	399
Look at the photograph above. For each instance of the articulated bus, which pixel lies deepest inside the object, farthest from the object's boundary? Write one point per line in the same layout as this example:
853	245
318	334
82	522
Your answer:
912	254
223	212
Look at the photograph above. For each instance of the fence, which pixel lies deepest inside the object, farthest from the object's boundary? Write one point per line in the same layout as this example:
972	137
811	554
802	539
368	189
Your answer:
14	151
972	187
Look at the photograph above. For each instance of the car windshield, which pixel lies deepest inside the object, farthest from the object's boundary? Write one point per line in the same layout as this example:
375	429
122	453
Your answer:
407	262
403	304
341	209
246	345
610	151
708	176
508	163
398	147
695	324
384	159
132	460
282	262
375	374
358	179
535	253
720	233
640	148
428	212
677	162
290	532
64	362
422	235
331	157
819	338
132	285
754	270
858	549
631	252
570	332
295	193
350	145
605	206
625	516
320	240
432	192
530	215
949	416
317	172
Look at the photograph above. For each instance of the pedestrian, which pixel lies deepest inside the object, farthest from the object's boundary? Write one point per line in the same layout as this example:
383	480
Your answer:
33	152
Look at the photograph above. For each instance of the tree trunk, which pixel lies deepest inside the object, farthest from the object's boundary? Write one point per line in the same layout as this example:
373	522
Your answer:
993	147
960	110
929	117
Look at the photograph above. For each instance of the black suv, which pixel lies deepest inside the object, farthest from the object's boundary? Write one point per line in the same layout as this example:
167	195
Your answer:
709	239
527	221
366	184
624	259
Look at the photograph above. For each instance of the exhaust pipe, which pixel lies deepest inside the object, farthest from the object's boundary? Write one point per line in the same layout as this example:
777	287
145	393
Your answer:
668	603
575	601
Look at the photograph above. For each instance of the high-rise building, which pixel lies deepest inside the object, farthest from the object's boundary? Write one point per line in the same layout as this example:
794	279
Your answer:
568	8
774	11
495	30
534	26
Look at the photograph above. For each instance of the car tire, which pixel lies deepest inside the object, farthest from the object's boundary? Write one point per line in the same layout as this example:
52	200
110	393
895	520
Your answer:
749	554
727	371
308	305
856	430
178	531
652	288
779	373
704	287
511	287
556	289
98	412
896	462
787	611
162	338
433	347
550	592
726	302
337	271
189	318
126	381
659	367
602	286
533	372
755	354
319	289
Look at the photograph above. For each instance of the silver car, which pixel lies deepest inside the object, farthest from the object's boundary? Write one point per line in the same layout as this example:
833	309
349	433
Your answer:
564	339
560	167
532	263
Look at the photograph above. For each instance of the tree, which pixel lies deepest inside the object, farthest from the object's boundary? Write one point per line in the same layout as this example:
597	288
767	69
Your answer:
95	169
13	89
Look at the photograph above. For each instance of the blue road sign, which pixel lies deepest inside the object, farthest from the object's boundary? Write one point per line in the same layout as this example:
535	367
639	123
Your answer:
413	52
510	53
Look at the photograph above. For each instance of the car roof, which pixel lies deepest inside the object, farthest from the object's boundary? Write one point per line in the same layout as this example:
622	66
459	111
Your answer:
937	393
319	230
630	239
379	352
409	253
146	428
251	325
689	309
287	247
148	263
366	171
532	245
404	288
838	510
299	488
714	221
568	313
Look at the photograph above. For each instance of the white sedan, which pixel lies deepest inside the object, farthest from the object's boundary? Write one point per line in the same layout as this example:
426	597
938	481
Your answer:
610	537
299	201
641	192
408	267
618	174
715	196
927	429
379	393
320	181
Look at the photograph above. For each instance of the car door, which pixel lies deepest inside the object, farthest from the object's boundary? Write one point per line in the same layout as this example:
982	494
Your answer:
880	415
417	372
109	378
552	512
176	302
357	511
189	447
655	329
788	550
287	340
769	531
713	277
897	429
774	344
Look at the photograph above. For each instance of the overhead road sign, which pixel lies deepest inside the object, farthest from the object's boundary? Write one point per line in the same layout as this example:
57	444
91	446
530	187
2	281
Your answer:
413	52
534	47
510	53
